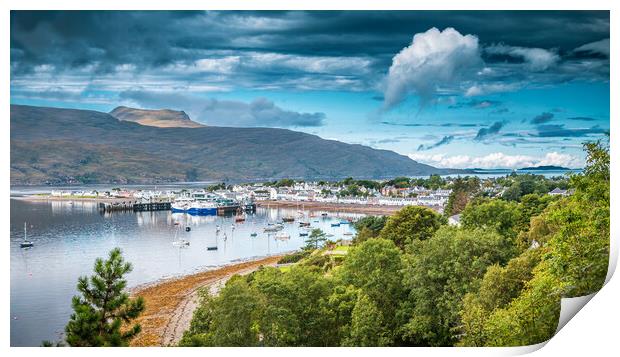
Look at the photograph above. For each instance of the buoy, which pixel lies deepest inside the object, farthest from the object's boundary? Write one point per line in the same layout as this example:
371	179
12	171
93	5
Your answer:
187	229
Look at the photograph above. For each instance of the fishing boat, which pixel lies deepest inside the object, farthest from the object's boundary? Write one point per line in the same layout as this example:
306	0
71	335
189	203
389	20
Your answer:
26	243
193	207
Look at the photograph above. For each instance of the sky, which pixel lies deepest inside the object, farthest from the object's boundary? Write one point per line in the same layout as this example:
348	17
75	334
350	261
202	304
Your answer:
458	89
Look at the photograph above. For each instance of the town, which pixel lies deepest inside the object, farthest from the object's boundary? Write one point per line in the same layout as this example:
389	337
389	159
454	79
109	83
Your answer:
433	192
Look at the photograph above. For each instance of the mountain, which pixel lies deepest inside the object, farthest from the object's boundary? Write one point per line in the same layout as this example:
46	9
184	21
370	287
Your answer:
163	118
58	146
545	168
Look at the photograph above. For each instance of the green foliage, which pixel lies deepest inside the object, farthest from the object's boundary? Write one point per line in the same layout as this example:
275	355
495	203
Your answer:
316	237
369	227
103	308
216	187
294	258
375	268
439	272
272	309
574	236
285	183
368	327
498	288
501	216
410	224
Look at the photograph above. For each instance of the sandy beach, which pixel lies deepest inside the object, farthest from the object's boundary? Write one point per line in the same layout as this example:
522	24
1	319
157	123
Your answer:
170	303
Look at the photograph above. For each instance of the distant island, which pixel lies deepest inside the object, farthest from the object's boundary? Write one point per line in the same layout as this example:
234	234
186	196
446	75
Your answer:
545	168
56	146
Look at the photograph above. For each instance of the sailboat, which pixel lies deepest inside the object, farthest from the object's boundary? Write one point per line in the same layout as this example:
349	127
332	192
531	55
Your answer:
26	243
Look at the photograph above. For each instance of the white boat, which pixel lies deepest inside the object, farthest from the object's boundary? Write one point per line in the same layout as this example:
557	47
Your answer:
283	236
184	205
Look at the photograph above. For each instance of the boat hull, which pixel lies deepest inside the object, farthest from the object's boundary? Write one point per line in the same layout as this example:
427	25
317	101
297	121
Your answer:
211	211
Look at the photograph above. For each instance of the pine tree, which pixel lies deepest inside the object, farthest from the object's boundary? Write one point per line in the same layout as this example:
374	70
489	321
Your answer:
316	236
103	309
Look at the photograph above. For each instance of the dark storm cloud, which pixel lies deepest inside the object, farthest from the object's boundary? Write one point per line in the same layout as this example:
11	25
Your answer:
152	38
542	118
198	51
491	130
444	141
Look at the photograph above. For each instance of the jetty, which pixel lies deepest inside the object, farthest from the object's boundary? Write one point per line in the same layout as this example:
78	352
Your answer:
134	206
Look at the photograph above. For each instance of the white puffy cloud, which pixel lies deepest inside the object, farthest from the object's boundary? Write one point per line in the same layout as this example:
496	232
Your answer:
536	59
497	160
484	89
434	59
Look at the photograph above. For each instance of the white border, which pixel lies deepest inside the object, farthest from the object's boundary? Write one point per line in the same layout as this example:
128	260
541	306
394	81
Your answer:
594	329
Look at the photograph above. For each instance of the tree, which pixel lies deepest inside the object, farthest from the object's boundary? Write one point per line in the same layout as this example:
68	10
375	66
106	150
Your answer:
367	325
410	224
463	189
316	236
439	272
375	268
103	308
502	216
498	288
369	227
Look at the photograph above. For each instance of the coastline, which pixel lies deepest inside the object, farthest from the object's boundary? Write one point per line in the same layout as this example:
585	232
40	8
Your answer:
333	207
170	302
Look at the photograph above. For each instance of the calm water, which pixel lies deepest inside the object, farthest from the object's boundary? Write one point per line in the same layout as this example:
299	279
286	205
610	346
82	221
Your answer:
68	237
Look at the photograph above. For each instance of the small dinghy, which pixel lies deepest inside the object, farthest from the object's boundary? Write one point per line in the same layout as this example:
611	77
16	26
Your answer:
211	248
181	243
254	234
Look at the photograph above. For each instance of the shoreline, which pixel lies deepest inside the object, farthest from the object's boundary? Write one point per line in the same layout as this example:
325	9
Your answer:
333	207
170	302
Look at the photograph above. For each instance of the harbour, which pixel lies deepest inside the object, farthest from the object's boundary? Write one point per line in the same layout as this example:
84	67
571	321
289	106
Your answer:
68	235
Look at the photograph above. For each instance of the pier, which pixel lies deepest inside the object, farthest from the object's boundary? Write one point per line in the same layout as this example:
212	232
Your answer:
134	207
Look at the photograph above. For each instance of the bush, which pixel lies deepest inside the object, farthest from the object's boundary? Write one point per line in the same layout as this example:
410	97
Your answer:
294	258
